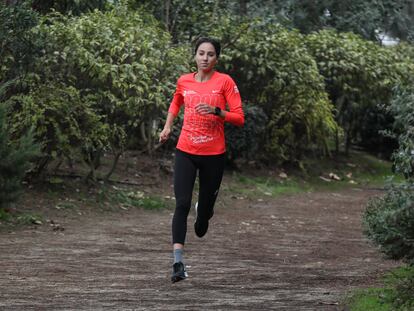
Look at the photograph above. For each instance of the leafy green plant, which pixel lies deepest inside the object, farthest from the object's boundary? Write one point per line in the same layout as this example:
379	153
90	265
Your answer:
388	222
75	7
19	48
402	108
103	79
359	77
63	121
274	71
245	141
15	159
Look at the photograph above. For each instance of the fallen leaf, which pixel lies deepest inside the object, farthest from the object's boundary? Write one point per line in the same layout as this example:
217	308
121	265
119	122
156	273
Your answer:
334	176
283	175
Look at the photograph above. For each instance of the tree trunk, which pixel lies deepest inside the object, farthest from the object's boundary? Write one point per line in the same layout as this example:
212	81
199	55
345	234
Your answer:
11	2
348	140
114	165
337	141
243	7
167	8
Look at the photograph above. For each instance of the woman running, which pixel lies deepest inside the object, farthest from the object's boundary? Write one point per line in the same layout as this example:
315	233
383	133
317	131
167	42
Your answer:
201	145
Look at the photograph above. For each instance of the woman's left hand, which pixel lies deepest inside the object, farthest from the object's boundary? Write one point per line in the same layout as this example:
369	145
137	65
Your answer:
204	109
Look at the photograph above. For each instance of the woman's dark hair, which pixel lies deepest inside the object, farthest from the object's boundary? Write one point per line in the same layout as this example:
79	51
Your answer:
214	42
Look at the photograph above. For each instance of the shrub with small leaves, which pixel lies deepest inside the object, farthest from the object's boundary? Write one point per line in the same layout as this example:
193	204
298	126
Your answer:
65	123
246	141
402	108
15	159
389	222
359	77
274	70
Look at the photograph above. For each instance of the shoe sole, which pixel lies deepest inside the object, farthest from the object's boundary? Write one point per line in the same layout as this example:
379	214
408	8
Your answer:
177	278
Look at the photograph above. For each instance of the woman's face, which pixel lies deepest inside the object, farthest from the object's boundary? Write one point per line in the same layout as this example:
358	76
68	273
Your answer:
206	57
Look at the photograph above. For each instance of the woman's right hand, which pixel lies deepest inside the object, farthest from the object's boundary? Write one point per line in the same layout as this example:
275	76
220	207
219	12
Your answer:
165	134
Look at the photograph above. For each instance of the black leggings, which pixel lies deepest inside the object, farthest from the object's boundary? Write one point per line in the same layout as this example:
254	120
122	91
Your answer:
210	170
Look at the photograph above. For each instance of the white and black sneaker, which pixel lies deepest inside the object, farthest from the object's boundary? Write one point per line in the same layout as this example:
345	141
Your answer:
179	272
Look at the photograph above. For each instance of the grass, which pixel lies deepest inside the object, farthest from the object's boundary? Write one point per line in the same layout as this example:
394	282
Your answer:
383	298
356	170
128	199
20	218
4	215
255	187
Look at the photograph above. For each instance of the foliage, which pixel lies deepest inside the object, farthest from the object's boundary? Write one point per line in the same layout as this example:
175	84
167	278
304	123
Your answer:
273	70
402	108
122	58
359	77
396	293
14	161
63	120
389	221
246	141
404	289
75	7
116	66
370	19
18	46
187	20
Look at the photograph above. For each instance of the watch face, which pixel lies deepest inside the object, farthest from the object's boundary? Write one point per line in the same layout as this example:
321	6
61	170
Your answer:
217	111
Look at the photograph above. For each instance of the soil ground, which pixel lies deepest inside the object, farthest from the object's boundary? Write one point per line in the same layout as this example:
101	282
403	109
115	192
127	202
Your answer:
295	252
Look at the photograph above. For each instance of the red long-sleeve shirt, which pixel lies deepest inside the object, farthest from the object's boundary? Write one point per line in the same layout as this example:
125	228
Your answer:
204	134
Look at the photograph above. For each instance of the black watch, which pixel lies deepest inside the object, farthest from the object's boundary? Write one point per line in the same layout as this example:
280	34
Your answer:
217	111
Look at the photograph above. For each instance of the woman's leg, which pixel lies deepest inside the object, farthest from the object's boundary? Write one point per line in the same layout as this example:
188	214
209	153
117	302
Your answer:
184	177
211	170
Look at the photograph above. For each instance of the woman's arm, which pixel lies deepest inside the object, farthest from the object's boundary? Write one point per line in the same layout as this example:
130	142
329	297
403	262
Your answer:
236	115
175	106
166	132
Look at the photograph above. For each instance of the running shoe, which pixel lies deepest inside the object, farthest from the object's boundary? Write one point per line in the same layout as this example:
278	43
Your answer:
179	272
200	227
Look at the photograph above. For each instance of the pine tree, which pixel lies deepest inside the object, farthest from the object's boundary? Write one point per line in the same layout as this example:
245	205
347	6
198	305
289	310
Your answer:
14	161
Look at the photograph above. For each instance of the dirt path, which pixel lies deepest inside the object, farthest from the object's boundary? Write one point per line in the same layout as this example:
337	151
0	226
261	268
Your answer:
301	252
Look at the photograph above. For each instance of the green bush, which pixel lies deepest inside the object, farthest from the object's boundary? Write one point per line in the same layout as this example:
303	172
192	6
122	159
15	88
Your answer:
103	80
274	70
19	47
15	159
359	77
402	108
245	142
63	120
389	222
123	58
